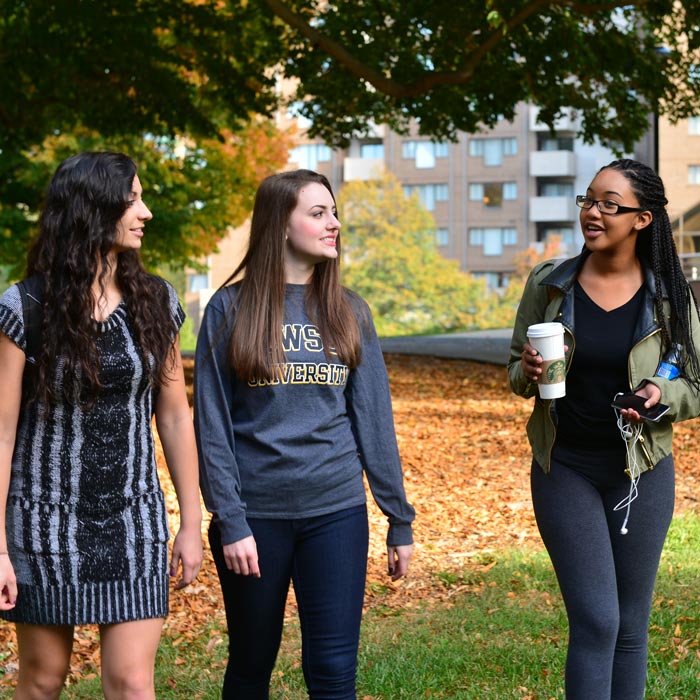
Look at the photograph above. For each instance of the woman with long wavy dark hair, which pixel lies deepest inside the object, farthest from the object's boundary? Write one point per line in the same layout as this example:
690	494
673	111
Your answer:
603	480
83	523
292	406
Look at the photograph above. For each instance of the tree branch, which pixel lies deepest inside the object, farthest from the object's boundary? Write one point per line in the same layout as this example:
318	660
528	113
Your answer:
430	79
333	49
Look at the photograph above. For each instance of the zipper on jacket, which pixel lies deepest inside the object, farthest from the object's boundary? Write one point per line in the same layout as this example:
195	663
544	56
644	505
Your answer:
554	438
641	340
642	441
643	447
549	410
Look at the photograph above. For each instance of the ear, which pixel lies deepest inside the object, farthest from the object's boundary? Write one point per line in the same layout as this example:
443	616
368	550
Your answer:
644	218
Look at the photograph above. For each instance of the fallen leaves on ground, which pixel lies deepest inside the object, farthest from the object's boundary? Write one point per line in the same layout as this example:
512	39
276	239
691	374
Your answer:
466	461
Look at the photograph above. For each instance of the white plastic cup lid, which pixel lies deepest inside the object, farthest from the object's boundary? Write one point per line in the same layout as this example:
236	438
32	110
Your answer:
544	330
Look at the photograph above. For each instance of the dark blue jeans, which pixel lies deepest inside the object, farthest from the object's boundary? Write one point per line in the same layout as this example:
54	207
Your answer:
606	578
326	559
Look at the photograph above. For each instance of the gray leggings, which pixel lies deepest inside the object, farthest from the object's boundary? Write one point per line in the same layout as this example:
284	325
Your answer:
606	578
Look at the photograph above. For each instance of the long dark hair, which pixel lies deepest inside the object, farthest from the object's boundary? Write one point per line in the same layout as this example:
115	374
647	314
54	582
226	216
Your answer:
85	200
256	339
655	245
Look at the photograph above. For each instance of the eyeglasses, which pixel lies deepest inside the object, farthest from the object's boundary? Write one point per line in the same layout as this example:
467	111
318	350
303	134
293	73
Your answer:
605	206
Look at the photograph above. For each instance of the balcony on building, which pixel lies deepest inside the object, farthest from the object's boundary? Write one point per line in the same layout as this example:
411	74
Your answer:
552	164
363	169
553	209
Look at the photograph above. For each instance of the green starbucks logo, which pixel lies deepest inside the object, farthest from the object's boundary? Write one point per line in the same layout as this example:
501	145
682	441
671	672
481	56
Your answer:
556	372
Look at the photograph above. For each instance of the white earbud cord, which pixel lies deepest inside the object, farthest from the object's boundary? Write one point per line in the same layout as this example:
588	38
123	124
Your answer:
630	434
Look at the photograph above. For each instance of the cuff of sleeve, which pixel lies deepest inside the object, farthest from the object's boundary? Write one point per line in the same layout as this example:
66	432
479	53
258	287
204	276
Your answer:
399	534
233	529
658	382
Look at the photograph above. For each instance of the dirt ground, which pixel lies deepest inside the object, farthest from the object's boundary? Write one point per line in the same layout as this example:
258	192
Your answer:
466	463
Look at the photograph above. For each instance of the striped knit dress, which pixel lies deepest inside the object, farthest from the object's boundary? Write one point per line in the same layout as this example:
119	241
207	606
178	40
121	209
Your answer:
86	519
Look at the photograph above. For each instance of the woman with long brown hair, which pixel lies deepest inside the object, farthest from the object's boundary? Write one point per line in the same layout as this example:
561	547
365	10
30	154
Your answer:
292	406
83	523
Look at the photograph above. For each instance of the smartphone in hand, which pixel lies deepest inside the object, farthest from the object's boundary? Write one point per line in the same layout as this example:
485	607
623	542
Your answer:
636	403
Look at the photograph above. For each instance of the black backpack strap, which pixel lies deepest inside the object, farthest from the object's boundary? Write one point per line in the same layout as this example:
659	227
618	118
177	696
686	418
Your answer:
30	291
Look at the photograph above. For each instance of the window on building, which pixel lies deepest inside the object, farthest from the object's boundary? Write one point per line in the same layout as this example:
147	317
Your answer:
492	240
510	236
694	126
372	150
197	282
476	236
494	280
566	234
309	155
476	192
493	150
510	191
694	174
545	142
424	153
428	195
556	189
492	194
442	237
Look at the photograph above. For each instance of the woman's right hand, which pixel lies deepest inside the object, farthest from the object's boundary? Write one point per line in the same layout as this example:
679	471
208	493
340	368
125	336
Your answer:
8	583
242	557
530	361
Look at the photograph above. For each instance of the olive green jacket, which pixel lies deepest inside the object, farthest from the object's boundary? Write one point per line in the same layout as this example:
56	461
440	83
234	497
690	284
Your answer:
548	296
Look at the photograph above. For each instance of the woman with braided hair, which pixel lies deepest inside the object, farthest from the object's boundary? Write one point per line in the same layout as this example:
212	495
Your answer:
603	480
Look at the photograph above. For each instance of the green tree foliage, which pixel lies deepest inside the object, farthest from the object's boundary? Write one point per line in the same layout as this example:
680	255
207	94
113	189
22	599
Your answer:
390	258
196	191
158	66
87	74
463	65
196	66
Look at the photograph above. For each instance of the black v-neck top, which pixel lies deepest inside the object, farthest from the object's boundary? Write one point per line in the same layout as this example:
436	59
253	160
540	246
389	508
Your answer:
598	371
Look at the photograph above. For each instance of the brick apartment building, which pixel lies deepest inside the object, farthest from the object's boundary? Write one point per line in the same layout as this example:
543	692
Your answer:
492	194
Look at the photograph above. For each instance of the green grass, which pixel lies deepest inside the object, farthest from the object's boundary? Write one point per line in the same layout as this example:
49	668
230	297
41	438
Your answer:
498	633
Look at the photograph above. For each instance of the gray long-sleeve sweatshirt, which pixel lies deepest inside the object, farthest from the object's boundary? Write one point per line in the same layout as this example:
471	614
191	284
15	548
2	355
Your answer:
295	447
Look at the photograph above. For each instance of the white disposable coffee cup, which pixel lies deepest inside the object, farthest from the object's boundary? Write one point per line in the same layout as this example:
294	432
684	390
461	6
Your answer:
548	340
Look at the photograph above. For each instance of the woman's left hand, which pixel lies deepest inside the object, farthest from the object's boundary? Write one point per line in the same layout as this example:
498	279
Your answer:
187	550
651	393
399	556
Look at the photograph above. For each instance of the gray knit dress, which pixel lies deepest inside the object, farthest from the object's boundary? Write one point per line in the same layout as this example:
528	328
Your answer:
86	520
